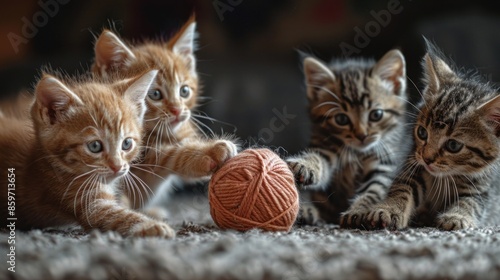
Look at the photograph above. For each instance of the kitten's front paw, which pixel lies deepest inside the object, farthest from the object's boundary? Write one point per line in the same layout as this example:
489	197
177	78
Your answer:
448	221
385	216
152	228
308	215
354	218
304	175
216	155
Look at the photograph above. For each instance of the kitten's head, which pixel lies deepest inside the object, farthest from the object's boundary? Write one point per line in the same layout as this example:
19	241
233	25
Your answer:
359	103
174	92
90	128
458	127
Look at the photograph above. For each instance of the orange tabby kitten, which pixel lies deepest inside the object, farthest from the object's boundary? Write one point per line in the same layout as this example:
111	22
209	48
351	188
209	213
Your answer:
171	138
68	159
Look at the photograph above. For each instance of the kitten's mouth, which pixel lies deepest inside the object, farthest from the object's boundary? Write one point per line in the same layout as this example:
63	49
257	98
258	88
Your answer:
429	169
174	121
113	176
433	170
366	145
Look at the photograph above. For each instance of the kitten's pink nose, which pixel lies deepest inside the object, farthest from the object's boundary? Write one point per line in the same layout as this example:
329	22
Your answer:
175	111
427	160
115	168
361	137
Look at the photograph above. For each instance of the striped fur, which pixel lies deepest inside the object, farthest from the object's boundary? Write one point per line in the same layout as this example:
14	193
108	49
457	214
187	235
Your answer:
60	180
349	166
449	177
173	144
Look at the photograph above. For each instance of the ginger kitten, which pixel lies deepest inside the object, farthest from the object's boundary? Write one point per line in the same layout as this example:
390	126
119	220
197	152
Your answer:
68	159
172	141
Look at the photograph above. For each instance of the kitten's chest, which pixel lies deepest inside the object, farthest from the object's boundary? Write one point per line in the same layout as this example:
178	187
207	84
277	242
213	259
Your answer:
441	192
350	172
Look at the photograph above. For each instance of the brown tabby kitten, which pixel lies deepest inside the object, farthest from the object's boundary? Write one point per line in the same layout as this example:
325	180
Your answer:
357	110
172	137
449	178
68	159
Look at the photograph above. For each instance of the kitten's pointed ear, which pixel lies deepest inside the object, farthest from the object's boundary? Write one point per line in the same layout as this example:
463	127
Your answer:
436	71
491	111
317	74
55	98
184	43
111	52
392	67
138	90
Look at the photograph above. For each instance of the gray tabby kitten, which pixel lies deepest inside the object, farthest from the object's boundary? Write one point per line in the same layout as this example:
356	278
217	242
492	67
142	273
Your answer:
449	178
357	110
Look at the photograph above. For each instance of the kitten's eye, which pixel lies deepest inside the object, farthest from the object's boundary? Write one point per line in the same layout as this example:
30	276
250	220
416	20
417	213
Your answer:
95	146
127	144
376	115
155	94
185	91
453	146
422	133
342	119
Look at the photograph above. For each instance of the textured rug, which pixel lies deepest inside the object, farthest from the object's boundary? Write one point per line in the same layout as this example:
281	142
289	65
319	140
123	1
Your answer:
202	251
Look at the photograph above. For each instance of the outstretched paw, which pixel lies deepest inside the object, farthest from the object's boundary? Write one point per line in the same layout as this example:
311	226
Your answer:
354	218
308	215
449	221
384	216
152	228
216	155
304	174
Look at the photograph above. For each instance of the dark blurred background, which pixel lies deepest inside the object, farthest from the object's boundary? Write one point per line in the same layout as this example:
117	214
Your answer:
248	49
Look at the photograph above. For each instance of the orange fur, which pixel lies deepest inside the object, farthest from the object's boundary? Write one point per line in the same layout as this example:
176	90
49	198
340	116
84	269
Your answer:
172	141
59	179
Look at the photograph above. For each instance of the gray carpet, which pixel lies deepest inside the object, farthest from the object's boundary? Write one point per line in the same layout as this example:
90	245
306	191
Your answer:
201	251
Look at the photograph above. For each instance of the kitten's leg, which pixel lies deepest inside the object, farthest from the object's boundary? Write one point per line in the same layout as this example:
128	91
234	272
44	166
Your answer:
377	179
464	214
313	168
196	158
372	193
104	213
395	211
405	195
308	215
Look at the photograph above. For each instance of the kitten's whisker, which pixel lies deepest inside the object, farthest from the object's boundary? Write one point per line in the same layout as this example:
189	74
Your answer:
200	129
84	186
325	89
326	103
216	121
152	119
204	125
475	188
419	92
72	181
147	171
404	99
93	191
327	114
152	131
147	190
128	190
455	192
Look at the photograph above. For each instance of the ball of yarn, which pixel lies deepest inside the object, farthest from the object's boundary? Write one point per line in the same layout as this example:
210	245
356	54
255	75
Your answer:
254	189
